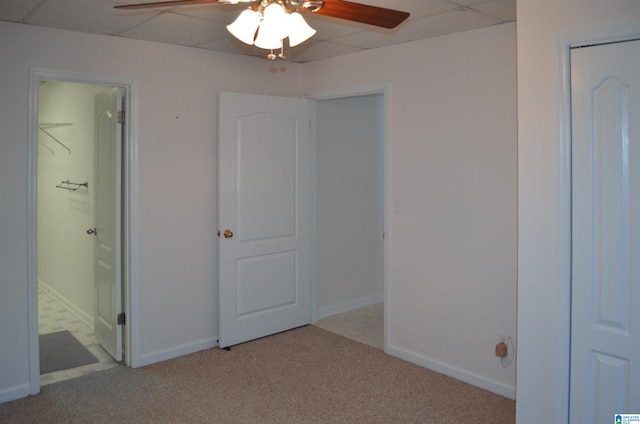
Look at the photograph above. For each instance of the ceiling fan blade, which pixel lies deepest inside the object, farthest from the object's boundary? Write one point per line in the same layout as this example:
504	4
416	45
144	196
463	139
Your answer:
166	4
372	15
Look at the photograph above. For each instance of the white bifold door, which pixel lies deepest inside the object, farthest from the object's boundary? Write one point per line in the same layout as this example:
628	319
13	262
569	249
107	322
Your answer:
263	216
605	309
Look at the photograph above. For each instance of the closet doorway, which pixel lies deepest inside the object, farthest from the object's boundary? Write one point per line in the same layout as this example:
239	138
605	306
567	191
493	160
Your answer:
351	216
80	134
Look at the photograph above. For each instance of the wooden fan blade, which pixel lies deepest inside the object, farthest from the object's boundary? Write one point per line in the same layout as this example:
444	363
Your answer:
372	15
165	4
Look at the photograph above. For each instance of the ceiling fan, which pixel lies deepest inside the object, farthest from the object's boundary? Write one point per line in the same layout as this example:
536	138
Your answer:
266	23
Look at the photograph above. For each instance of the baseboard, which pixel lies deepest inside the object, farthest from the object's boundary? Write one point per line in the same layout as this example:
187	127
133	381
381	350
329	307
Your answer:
175	352
348	306
506	390
66	303
13	393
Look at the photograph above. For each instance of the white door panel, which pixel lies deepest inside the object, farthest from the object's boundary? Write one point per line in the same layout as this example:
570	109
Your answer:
263	177
605	318
107	263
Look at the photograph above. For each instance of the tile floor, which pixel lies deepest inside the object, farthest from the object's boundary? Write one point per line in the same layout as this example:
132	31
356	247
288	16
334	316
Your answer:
52	317
365	325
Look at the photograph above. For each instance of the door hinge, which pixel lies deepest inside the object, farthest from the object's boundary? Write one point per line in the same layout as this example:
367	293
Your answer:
121	116
122	319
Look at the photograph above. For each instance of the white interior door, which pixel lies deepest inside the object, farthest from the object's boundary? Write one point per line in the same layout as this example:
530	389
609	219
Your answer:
605	310
263	216
107	215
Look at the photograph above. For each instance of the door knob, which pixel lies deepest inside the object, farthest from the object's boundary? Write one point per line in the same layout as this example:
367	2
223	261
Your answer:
228	233
93	231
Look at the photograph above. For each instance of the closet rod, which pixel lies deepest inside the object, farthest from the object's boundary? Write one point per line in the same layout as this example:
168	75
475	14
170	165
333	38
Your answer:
69	185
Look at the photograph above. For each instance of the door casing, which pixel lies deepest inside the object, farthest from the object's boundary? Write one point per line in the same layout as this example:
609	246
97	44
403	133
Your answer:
563	295
342	93
130	212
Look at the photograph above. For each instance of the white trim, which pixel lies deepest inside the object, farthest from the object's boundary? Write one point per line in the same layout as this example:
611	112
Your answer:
130	207
563	336
357	91
349	306
131	224
177	351
32	245
506	390
313	212
16	392
353	91
563	293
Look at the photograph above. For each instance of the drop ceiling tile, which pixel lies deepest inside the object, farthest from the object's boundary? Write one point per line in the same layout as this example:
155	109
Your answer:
177	29
310	51
328	27
230	44
455	21
430	26
502	9
224	13
469	2
95	16
16	11
371	39
417	8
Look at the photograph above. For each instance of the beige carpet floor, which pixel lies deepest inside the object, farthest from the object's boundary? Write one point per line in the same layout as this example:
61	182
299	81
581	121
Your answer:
306	375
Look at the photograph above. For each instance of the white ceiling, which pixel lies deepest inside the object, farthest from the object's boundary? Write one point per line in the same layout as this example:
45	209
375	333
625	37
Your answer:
204	26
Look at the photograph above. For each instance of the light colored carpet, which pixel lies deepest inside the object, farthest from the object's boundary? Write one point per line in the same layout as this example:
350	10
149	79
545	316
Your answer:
306	375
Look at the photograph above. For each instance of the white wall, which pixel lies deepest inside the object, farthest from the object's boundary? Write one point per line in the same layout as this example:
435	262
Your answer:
65	251
177	179
452	195
349	209
543	301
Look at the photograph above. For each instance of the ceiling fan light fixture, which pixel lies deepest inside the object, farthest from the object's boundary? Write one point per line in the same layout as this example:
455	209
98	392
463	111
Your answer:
313	6
245	26
269	36
269	24
299	30
275	17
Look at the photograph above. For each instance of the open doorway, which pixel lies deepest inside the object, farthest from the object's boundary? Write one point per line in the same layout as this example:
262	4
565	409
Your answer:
350	216
78	139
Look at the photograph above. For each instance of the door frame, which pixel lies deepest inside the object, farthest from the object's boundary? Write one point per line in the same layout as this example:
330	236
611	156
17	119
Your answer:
335	94
130	212
563	336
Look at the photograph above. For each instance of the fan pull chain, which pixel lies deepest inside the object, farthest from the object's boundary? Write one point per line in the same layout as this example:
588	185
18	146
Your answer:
272	55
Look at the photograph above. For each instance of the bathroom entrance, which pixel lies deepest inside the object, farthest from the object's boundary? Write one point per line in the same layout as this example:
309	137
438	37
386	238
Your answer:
79	228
